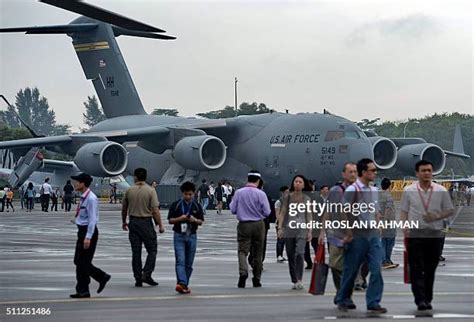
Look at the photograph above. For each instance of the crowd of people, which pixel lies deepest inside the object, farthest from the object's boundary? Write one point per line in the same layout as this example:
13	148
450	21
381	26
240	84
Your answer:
353	253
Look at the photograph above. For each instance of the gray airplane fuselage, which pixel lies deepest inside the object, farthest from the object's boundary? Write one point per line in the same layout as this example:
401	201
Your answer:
278	145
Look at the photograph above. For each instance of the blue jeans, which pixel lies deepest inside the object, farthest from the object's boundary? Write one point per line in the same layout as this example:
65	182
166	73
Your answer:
359	249
387	247
204	204
184	251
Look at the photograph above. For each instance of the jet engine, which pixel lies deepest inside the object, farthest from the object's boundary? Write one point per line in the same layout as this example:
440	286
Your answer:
410	154
385	152
102	159
200	153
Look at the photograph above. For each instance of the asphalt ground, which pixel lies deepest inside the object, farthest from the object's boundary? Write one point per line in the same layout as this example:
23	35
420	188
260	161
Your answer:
37	271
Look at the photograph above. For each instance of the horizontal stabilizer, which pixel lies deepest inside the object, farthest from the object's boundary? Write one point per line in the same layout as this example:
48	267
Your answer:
457	155
55	29
101	14
118	31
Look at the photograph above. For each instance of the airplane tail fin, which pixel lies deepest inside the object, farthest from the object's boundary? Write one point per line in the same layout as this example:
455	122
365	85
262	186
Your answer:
458	145
94	41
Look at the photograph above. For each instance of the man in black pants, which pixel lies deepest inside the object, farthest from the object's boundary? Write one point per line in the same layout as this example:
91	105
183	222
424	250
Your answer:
68	195
428	203
140	203
87	217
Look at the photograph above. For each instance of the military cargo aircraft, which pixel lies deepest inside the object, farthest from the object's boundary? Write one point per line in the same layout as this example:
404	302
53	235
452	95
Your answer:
174	149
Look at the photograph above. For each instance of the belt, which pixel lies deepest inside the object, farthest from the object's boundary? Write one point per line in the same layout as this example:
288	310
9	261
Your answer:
142	218
249	221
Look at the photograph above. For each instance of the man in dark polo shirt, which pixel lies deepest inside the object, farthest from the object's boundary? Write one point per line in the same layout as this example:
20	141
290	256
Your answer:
140	203
186	215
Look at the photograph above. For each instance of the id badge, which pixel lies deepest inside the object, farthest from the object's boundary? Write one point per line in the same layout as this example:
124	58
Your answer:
184	227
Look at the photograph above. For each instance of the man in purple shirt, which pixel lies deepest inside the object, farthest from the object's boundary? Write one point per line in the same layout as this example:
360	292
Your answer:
251	206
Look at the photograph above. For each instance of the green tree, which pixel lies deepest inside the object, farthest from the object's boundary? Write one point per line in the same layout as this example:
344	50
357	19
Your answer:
94	113
35	111
9	133
165	111
244	109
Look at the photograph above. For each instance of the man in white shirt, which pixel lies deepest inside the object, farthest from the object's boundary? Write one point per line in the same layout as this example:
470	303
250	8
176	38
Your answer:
46	191
429	204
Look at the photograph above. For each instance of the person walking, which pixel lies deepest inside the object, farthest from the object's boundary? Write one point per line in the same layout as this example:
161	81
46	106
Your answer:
46	191
68	191
336	237
54	199
429	204
203	195
387	212
219	198
113	193
185	215
280	244
3	197
363	243
251	207
9	199
291	229
21	192
30	196
87	217
140	203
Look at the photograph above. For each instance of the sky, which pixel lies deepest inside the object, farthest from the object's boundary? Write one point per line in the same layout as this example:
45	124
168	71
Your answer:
392	59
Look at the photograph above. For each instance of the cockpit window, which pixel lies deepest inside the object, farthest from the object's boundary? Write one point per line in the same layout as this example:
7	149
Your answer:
352	134
333	136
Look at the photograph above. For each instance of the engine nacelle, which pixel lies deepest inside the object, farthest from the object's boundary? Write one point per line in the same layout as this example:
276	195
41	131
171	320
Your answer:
385	152
410	154
102	159
200	153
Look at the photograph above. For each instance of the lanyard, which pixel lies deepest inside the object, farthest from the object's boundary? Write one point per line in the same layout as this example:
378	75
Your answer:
427	204
182	208
83	198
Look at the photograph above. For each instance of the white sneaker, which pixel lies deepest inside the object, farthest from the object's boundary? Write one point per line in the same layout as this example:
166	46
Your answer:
295	287
280	259
299	286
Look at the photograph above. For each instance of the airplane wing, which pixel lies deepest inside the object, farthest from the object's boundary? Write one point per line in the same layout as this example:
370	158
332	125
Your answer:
80	138
73	141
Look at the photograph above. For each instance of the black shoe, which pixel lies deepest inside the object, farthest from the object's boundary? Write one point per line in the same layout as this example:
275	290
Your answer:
242	279
103	283
256	282
80	296
149	281
422	306
138	283
351	306
342	307
377	309
358	287
429	306
308	267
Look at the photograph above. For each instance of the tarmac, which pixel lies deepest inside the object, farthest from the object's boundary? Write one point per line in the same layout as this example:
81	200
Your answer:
37	271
